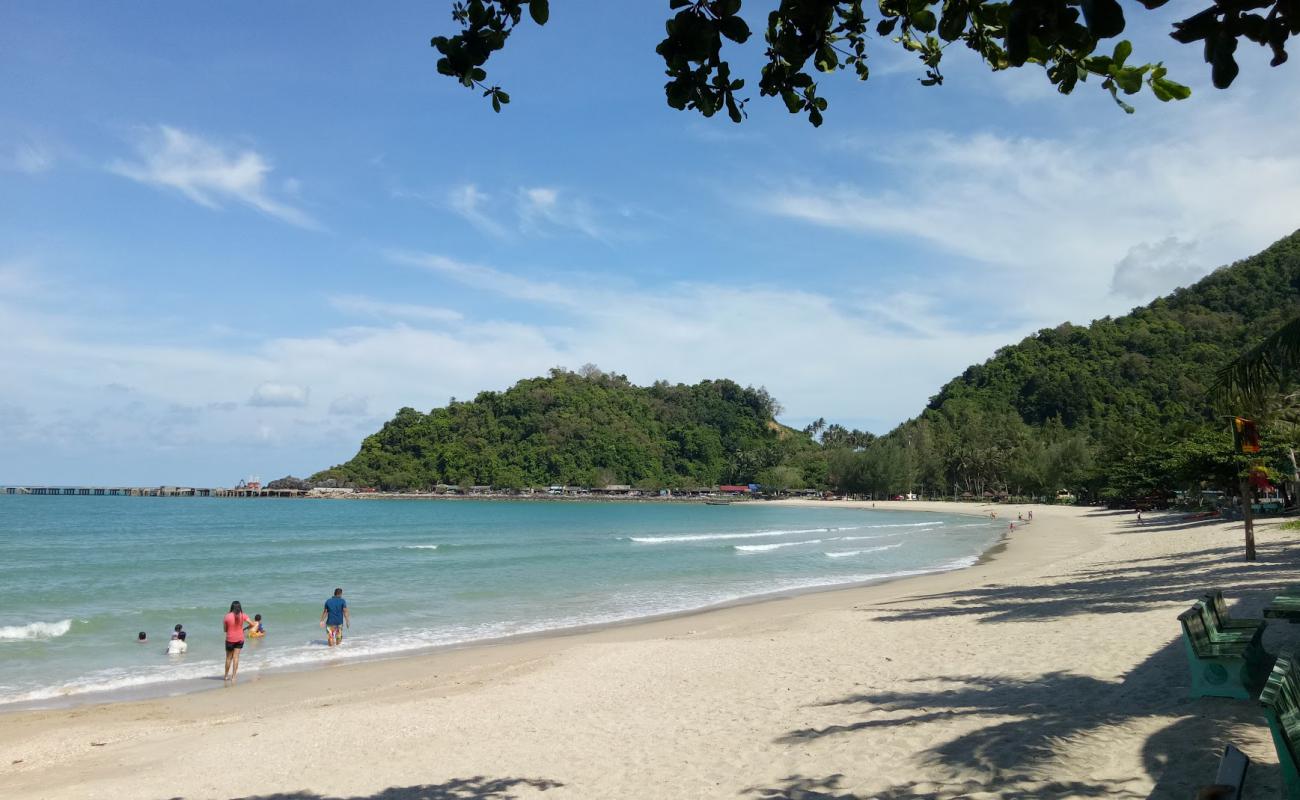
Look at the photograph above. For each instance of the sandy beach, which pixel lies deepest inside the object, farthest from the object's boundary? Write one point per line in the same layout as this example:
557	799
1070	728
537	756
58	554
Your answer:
1053	669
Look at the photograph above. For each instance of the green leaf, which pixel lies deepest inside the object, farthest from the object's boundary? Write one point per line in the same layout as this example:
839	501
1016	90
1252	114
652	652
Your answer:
1105	18
1123	49
734	28
540	11
728	8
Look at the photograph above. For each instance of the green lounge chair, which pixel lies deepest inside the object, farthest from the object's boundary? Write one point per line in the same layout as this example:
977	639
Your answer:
1229	667
1281	701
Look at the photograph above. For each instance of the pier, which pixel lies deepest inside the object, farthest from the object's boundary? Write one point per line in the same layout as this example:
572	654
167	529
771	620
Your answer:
148	491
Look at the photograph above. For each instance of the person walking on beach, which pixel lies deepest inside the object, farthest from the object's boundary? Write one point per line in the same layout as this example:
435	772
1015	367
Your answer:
233	625
334	617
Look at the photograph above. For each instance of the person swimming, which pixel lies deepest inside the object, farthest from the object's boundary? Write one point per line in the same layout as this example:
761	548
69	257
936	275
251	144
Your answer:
255	629
177	645
142	638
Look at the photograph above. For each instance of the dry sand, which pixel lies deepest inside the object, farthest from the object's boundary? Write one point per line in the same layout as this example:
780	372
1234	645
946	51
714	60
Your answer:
1052	670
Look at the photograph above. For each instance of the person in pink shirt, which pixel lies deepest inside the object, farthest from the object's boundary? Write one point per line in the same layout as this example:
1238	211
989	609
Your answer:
233	625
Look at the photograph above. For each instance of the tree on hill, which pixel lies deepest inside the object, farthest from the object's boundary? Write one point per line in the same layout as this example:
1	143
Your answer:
1069	39
1117	410
587	428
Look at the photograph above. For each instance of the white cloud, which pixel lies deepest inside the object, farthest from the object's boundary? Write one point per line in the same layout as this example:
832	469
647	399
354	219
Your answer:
1151	269
819	353
1041	222
370	307
279	395
207	173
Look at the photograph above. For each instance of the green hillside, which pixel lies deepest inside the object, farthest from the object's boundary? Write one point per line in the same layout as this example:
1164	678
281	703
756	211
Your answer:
1115	408
587	429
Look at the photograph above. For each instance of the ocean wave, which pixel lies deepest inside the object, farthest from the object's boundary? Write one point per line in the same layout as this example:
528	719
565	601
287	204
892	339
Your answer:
907	525
847	553
419	547
707	537
761	548
35	630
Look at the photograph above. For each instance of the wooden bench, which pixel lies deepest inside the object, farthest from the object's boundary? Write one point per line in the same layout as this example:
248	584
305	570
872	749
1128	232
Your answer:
1227	664
1216	606
1281	701
1230	779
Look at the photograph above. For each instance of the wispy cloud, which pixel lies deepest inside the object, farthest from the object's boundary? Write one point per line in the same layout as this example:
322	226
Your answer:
207	173
1053	212
279	395
368	306
27	157
489	279
471	204
544	207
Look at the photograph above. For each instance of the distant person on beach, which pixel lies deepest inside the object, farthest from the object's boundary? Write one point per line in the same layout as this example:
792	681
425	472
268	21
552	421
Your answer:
334	617
1031	515
255	629
177	645
1139	516
233	626
142	638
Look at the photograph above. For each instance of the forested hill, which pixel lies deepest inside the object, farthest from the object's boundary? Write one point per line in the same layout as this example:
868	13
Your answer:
587	429
1114	408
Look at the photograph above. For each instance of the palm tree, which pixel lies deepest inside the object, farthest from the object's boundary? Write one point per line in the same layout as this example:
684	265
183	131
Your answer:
1254	376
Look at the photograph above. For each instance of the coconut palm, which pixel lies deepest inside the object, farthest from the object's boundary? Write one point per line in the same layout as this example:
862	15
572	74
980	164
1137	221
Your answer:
1255	376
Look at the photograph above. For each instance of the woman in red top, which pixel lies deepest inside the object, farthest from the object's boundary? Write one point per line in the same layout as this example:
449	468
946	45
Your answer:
233	625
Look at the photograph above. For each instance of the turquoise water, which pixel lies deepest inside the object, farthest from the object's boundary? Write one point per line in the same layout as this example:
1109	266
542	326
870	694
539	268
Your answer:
82	575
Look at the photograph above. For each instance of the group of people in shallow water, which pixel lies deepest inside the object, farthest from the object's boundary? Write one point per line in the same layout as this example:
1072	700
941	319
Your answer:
1021	518
238	627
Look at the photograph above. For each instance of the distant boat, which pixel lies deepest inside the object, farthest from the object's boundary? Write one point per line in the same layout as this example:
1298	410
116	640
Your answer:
717	502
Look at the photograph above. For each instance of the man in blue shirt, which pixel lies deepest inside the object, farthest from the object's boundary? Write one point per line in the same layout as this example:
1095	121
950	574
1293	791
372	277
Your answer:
334	617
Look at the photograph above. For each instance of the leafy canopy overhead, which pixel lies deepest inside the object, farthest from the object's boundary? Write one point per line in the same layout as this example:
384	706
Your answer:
804	37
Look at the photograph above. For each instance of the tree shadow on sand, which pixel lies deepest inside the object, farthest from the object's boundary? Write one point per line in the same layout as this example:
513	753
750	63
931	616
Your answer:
1133	585
476	788
1019	749
1026	724
799	787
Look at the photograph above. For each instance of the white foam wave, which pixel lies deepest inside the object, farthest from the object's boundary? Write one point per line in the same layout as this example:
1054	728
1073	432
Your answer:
35	630
706	537
761	548
419	547
907	525
847	553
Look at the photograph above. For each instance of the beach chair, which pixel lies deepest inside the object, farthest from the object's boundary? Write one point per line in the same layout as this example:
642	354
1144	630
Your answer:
1230	779
1229	667
1281	701
1219	634
1215	605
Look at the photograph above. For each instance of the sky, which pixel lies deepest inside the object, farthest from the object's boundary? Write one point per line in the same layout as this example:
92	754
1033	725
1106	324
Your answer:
235	238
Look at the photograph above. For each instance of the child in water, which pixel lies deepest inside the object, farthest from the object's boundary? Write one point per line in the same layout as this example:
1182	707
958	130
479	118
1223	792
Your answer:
255	630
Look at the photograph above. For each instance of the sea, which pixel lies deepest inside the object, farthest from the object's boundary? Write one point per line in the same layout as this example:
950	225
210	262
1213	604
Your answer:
80	577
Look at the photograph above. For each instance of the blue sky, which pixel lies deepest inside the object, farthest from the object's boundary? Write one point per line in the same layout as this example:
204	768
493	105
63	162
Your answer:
235	238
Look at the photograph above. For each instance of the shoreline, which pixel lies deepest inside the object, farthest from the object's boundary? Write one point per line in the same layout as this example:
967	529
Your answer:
165	689
980	682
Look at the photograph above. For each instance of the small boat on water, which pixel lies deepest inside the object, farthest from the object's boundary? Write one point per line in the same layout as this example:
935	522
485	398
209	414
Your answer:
717	502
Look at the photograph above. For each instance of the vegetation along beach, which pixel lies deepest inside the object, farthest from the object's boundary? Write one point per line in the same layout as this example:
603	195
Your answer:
751	399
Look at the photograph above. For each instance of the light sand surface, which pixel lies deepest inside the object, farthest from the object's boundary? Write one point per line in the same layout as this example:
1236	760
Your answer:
1053	670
